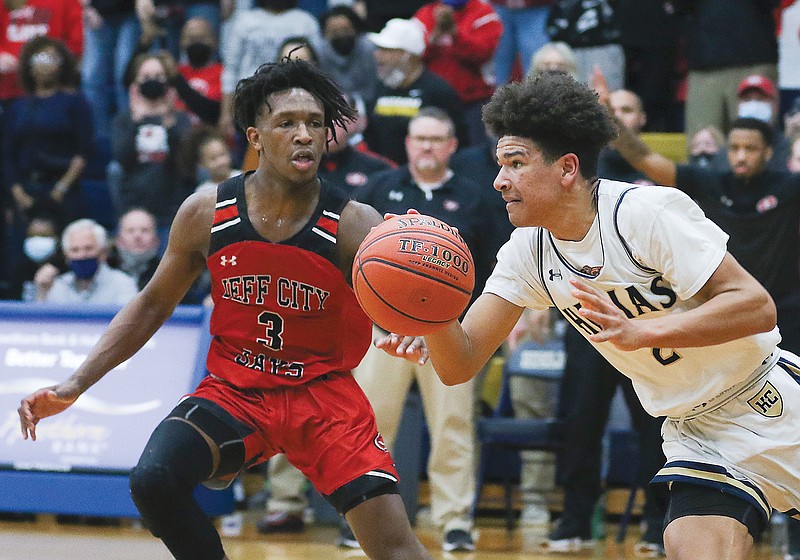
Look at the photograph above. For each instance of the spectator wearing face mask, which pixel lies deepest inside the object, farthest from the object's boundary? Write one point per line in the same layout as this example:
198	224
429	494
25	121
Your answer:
346	53
758	99
197	78
145	144
39	247
705	145
406	86
90	279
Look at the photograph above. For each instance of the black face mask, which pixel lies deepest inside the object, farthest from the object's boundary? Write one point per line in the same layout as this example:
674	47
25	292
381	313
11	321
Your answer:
153	89
276	5
702	160
198	54
344	44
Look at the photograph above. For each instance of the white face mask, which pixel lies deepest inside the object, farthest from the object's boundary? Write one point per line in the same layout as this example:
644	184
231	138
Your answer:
396	76
761	110
39	248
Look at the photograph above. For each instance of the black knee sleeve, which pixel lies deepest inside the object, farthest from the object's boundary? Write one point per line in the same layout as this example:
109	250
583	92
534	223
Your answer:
174	461
363	488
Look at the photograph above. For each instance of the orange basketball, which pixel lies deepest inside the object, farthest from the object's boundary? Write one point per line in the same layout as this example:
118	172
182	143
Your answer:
413	274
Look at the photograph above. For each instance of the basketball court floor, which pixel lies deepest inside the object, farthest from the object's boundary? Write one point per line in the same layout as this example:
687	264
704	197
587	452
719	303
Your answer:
45	539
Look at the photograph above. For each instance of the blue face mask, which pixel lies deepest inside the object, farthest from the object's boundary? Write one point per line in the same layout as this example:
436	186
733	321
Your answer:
84	268
454	3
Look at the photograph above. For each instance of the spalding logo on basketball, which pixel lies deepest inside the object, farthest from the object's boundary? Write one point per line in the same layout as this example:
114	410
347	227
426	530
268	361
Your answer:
413	274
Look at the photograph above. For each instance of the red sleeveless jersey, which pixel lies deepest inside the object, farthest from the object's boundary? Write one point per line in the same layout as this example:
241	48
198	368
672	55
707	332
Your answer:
283	312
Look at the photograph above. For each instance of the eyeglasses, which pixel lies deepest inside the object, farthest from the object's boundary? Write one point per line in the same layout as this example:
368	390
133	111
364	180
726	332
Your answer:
434	140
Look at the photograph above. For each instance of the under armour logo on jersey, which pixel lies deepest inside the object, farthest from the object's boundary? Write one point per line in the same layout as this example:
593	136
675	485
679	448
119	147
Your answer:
395	195
555	274
225	261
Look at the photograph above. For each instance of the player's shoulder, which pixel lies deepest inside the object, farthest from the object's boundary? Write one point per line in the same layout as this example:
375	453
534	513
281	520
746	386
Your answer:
624	198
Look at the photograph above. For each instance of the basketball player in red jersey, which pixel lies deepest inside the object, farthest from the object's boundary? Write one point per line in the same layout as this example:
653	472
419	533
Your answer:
287	331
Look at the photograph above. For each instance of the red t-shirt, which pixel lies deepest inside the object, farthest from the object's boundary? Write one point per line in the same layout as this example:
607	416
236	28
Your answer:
205	81
59	19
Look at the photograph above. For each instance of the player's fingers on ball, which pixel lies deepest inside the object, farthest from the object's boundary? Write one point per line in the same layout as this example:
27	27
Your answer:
389	216
414	345
412	211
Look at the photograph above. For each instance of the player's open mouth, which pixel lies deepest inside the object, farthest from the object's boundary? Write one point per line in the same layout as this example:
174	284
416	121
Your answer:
303	160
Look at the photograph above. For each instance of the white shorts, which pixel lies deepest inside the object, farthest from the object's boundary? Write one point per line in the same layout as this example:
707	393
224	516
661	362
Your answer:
749	446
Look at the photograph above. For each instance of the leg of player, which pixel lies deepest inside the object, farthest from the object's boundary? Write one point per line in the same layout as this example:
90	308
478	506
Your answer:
180	454
382	528
707	537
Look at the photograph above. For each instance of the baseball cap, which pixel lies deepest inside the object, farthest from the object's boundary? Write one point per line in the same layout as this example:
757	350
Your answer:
761	83
404	34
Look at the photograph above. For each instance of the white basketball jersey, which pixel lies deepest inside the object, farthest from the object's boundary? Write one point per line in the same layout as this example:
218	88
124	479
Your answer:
651	249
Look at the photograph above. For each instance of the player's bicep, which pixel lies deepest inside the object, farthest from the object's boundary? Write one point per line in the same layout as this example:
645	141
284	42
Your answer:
355	223
730	278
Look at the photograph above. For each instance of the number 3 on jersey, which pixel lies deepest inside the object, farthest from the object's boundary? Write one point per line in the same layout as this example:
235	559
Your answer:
274	329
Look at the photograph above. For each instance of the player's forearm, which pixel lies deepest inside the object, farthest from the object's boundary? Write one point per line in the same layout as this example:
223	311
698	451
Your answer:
725	317
642	158
460	350
451	353
130	329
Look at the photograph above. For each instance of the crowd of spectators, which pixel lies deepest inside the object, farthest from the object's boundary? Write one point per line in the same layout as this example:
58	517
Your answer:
137	94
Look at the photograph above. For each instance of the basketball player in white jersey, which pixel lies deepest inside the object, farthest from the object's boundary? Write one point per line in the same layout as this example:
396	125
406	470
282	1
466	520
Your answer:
646	278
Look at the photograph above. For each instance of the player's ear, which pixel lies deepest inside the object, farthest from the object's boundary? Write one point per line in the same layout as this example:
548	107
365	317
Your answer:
570	166
253	138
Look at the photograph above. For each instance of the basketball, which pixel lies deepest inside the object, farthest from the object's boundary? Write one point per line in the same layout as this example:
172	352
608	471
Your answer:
413	274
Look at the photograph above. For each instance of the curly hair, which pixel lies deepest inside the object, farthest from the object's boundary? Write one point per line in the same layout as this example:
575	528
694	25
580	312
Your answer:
68	73
556	113
253	93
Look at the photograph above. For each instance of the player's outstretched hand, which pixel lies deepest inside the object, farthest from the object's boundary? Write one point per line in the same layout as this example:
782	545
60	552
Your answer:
617	328
43	403
412	348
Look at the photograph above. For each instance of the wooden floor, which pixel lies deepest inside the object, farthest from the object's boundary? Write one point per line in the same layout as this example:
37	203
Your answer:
45	539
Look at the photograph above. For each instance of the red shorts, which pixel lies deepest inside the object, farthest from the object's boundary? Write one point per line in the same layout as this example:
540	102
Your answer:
326	427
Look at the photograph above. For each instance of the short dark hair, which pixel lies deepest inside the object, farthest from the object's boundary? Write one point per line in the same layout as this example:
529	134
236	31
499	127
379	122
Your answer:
253	93
436	113
763	127
555	112
68	73
340	10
